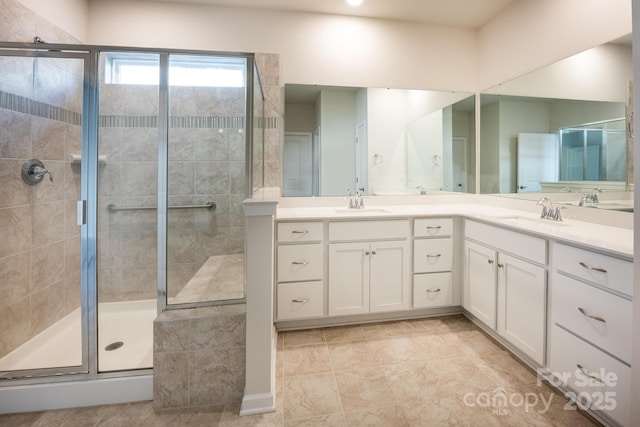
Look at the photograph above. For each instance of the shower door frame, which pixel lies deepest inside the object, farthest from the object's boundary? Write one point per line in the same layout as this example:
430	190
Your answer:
88	203
85	210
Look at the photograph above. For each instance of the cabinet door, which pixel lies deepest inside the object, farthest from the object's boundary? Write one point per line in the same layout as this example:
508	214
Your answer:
348	278
522	291
388	279
480	282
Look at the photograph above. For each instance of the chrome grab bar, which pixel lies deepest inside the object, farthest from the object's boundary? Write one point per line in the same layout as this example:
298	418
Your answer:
113	208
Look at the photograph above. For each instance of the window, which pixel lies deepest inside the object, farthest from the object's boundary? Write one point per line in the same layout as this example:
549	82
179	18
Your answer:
184	70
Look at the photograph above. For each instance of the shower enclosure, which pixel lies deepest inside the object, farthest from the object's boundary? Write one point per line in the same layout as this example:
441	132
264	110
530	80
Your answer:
134	206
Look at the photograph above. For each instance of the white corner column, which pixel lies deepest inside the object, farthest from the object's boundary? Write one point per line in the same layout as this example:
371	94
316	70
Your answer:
259	392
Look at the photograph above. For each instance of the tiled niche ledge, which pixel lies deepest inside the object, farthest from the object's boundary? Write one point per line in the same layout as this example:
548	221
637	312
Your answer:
199	356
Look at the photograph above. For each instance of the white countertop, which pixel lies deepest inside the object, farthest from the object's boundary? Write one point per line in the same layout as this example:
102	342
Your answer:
618	241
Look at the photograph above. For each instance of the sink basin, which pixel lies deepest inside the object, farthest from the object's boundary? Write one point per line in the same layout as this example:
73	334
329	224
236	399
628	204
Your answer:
363	211
524	221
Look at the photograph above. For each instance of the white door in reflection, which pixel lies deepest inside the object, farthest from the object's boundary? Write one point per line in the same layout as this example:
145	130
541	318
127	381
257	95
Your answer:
298	164
537	161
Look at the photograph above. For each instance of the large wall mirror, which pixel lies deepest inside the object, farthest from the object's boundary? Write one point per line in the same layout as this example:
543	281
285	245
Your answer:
562	130
377	141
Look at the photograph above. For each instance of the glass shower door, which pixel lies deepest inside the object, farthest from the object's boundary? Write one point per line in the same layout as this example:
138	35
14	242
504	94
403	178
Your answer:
127	208
41	297
207	178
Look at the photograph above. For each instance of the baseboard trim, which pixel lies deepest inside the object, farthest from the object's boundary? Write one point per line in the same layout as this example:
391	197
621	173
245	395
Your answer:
72	394
258	403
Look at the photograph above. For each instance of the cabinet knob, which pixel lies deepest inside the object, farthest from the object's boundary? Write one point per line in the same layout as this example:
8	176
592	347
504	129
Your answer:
490	261
373	252
367	252
500	265
300	300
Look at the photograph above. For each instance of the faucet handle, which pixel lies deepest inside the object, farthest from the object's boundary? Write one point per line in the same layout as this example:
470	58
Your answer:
557	216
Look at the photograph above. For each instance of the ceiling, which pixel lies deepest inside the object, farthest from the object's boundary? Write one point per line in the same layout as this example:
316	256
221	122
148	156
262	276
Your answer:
459	13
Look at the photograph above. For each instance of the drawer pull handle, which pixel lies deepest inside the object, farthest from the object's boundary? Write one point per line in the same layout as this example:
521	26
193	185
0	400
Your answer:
434	227
591	316
588	267
433	290
490	261
303	232
588	374
300	300
299	262
434	256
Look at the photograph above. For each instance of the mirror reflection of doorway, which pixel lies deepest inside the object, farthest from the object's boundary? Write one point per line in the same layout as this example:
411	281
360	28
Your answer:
298	161
459	169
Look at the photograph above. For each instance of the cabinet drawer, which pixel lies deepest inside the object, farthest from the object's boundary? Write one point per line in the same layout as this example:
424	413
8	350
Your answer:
300	262
522	245
432	290
575	360
299	232
600	269
609	328
368	230
433	227
432	255
300	300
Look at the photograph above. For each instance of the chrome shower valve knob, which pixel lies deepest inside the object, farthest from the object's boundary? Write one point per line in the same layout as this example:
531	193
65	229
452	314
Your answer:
33	171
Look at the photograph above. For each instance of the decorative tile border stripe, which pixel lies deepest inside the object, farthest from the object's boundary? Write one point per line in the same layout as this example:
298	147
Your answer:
266	122
128	122
21	104
190	122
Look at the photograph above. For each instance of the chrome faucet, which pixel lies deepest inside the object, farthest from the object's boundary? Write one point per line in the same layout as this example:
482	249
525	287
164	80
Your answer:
420	188
548	211
590	199
356	202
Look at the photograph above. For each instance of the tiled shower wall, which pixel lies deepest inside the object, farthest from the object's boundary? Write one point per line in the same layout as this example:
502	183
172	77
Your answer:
33	240
40	106
206	164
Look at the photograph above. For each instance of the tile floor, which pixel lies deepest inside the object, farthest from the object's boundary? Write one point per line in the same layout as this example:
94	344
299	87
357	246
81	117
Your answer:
428	372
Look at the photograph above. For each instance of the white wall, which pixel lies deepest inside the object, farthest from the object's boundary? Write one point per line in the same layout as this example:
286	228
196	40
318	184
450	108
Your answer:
314	48
534	33
299	118
426	139
70	15
517	117
387	137
337	149
597	74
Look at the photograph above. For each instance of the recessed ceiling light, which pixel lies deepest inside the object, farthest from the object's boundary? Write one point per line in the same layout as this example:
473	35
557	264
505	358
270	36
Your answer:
354	2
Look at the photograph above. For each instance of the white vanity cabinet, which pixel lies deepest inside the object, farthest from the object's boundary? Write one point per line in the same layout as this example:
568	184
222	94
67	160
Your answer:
432	262
368	266
505	285
591	316
300	270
